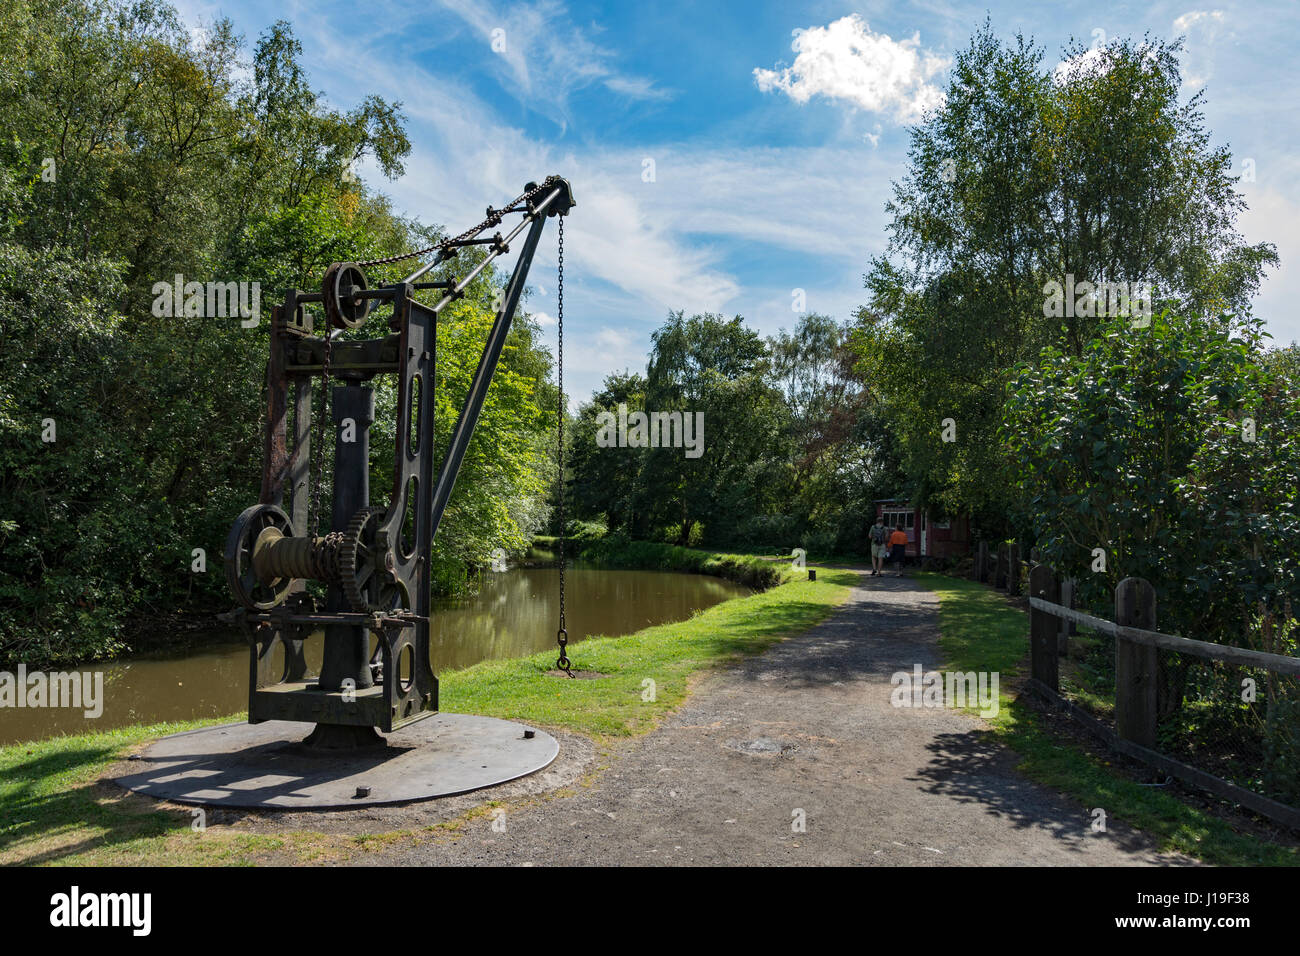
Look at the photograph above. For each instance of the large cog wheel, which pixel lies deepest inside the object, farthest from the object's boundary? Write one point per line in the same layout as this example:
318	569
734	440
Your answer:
368	582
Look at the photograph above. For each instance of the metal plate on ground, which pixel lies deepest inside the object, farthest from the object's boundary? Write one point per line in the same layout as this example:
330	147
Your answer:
265	766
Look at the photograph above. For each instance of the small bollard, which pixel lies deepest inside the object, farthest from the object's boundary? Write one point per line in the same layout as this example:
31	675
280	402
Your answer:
362	792
812	574
529	734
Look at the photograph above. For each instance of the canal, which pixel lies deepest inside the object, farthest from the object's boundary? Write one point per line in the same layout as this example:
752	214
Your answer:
513	614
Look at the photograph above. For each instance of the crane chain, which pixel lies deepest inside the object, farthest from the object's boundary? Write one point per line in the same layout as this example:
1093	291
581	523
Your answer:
318	453
494	217
562	635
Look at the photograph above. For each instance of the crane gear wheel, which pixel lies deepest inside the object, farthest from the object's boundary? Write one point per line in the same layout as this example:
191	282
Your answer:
366	568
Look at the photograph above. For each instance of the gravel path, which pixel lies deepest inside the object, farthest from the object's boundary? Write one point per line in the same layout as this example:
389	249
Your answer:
808	727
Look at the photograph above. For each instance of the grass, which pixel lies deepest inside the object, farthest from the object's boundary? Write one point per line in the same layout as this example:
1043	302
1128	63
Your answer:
980	631
51	810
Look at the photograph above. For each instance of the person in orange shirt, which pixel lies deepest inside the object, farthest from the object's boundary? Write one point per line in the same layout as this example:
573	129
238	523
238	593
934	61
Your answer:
898	545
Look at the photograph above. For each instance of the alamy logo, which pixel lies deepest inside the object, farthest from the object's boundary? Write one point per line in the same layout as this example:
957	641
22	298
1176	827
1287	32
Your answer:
954	689
59	689
212	300
74	908
651	430
1096	300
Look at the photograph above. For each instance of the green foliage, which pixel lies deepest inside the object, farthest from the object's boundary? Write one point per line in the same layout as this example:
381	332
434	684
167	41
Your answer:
1141	446
1023	177
1174	449
793	454
715	367
135	151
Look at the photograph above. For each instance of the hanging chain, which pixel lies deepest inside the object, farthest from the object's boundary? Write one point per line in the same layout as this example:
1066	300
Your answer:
561	636
318	453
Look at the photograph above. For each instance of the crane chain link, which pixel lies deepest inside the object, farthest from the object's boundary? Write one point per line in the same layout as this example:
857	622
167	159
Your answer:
494	217
318	453
561	636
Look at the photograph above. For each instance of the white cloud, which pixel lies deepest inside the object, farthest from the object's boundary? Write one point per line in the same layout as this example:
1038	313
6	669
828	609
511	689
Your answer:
1090	60
620	242
613	350
823	200
1202	28
846	61
1096	59
616	235
1206	18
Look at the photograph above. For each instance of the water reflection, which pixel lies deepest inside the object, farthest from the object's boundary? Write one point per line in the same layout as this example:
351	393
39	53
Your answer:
517	613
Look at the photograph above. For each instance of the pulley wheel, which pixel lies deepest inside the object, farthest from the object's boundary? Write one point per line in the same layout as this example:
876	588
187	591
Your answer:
343	307
250	590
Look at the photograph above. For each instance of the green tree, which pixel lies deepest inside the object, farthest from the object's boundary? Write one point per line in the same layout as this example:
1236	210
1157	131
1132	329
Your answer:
132	151
710	365
1026	176
605	480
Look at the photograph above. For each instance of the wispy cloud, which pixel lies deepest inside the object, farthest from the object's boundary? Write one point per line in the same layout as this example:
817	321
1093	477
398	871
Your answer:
545	56
638	88
847	61
1205	18
1201	28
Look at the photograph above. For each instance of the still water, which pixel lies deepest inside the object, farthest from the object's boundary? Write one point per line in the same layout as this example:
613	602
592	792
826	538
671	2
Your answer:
514	614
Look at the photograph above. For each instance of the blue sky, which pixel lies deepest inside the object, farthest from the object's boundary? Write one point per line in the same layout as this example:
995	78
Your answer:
773	151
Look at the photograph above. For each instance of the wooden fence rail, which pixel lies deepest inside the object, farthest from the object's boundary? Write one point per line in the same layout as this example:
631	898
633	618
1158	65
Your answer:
1280	663
1137	646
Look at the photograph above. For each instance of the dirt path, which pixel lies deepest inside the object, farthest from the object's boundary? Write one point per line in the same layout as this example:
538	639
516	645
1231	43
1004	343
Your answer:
806	726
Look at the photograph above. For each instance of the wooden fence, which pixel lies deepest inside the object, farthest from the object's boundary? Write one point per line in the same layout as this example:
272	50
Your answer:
1137	646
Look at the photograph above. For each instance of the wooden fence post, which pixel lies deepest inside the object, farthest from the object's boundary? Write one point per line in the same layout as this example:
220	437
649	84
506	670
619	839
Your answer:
1000	572
1013	568
982	562
1043	628
1135	664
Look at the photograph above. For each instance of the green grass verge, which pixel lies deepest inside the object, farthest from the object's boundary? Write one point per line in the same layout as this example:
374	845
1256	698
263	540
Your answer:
750	570
51	812
979	631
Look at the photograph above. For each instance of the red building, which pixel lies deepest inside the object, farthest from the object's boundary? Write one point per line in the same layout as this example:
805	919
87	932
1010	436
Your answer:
926	538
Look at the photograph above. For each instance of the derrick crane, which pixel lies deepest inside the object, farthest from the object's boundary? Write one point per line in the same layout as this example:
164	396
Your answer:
375	561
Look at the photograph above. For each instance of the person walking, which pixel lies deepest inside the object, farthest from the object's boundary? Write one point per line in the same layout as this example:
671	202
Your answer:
898	544
879	534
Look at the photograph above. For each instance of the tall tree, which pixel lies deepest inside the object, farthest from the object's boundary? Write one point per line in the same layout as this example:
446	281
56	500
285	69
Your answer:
1026	176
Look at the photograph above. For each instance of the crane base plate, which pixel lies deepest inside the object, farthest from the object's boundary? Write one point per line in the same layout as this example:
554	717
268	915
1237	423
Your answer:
266	765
